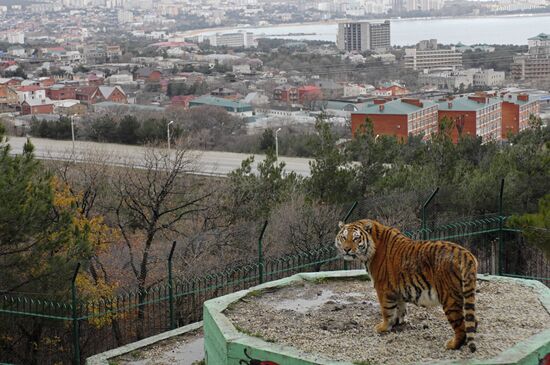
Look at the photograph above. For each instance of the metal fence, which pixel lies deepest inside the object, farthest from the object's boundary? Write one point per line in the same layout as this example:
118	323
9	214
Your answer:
38	331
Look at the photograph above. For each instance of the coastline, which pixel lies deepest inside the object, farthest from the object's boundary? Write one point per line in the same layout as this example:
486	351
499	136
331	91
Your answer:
195	32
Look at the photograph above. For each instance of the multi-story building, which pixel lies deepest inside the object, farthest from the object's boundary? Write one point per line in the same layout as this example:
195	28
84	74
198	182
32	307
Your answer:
428	56
526	67
516	110
416	5
488	78
473	115
536	63
15	37
447	80
462	79
539	45
363	36
286	93
94	54
398	117
233	40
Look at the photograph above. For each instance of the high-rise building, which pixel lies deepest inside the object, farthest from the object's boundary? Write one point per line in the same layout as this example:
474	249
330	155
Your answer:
363	36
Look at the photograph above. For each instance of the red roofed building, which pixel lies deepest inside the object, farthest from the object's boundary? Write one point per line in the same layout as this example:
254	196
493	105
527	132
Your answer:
46	81
309	93
113	93
96	94
148	75
14	81
94	80
393	90
87	94
182	100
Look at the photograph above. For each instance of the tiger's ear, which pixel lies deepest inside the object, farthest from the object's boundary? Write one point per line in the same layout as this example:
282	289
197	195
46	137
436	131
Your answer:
368	226
340	224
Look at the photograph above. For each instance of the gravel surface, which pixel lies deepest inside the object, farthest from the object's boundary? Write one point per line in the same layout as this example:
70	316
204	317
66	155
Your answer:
337	319
186	349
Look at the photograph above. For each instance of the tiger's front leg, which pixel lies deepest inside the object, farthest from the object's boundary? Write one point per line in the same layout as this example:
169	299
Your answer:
389	305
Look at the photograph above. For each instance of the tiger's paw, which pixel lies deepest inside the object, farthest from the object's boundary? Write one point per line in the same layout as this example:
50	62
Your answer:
454	344
382	327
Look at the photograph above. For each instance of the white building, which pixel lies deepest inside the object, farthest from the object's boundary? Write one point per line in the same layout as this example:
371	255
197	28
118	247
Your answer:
428	56
489	78
233	40
16	37
351	90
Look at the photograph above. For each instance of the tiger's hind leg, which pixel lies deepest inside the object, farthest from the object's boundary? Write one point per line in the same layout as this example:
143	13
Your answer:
454	310
401	312
388	304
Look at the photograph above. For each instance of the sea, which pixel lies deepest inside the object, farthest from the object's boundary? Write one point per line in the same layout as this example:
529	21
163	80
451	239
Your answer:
404	32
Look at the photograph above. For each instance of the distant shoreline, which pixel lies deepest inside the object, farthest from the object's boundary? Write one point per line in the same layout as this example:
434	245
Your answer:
195	32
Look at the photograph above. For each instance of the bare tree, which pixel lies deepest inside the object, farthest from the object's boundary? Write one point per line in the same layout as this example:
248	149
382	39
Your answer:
152	204
304	226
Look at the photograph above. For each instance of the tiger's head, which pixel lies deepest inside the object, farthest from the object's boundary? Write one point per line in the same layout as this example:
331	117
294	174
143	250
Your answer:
354	241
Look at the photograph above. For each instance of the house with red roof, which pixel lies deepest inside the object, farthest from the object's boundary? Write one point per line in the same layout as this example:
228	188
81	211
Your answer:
309	93
12	82
182	100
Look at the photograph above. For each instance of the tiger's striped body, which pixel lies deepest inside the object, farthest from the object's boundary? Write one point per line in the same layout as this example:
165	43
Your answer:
426	273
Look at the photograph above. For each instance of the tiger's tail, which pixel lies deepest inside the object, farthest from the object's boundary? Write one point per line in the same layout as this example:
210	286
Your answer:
469	281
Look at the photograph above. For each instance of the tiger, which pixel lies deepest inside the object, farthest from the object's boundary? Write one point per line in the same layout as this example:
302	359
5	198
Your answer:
425	273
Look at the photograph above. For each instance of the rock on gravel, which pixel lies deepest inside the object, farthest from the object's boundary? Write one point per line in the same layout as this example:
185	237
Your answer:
337	319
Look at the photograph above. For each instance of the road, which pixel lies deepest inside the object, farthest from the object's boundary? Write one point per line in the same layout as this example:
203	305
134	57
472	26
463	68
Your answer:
208	162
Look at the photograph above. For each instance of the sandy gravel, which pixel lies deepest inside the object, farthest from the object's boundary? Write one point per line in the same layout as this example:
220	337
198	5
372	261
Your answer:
186	349
337	319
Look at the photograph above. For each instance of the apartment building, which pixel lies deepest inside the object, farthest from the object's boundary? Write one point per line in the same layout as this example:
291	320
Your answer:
473	115
233	40
536	63
428	56
398	118
363	36
516	110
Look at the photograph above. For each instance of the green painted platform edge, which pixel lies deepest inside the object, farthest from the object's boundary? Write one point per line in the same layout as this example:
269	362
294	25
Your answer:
527	352
102	358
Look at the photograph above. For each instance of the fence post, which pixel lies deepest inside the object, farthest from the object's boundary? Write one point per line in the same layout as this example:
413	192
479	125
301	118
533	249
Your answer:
171	287
424	223
500	228
74	314
348	214
350	211
261	253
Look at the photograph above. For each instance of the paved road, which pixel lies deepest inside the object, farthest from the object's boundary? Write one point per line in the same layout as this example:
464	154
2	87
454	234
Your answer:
208	163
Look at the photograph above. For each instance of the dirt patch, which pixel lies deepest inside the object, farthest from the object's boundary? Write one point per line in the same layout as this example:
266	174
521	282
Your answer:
186	349
337	319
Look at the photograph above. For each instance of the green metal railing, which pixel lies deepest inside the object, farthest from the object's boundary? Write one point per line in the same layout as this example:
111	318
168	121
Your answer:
83	328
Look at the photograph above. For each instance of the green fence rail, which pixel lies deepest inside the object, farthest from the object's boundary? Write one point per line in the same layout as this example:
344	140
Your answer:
77	329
